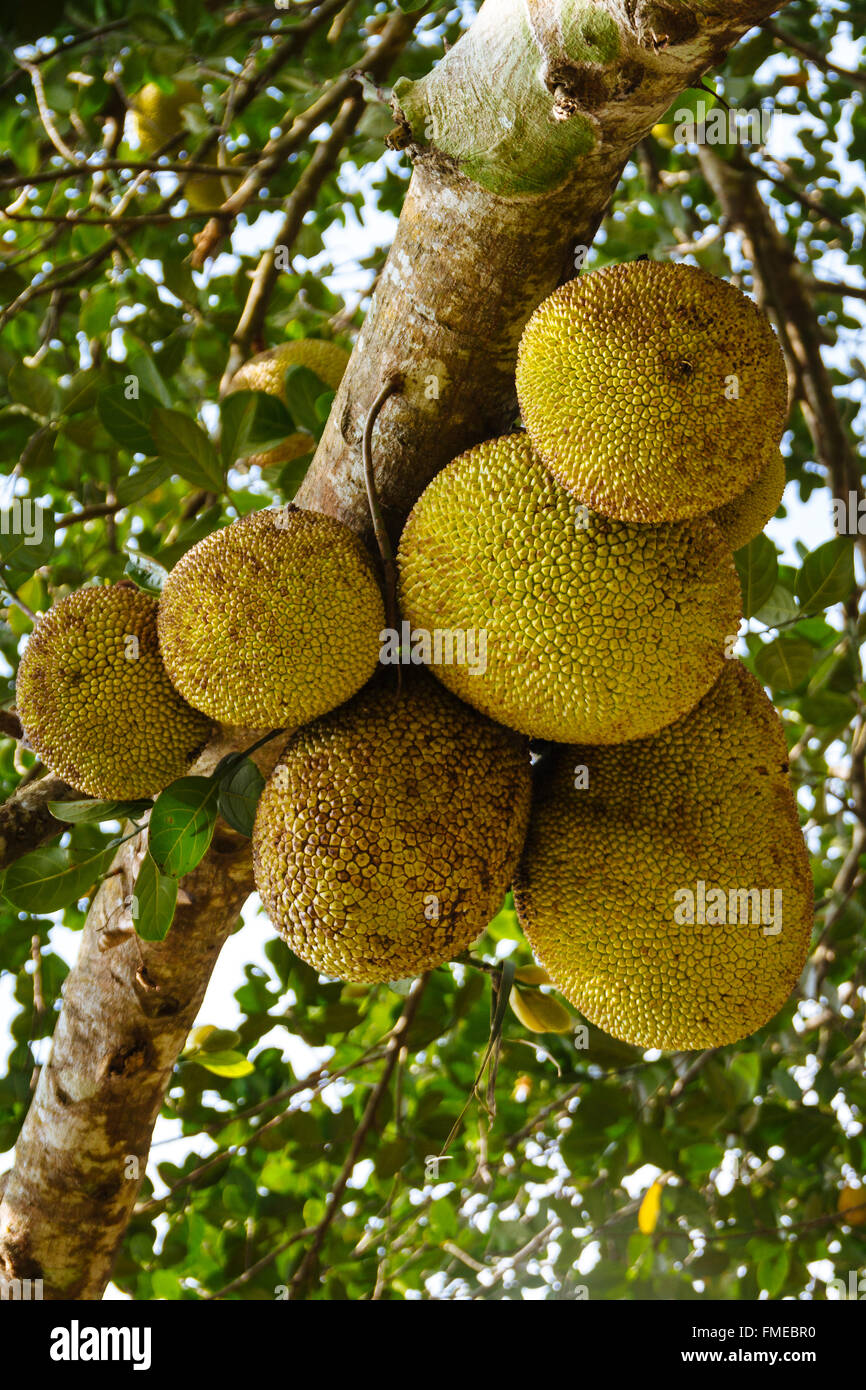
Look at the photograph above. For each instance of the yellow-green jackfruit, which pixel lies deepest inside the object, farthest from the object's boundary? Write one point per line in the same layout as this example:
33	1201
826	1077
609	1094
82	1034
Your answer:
652	391
156	117
582	628
387	835
95	700
665	884
273	620
747	515
267	371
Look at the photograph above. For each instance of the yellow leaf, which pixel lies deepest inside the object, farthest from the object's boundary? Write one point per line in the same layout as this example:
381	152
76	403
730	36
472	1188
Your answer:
647	1217
532	975
540	1013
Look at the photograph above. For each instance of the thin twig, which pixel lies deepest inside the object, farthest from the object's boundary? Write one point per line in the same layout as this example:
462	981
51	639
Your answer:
393	384
305	1269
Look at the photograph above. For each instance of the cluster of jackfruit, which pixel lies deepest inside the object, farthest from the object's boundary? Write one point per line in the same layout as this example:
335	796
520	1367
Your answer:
660	874
664	884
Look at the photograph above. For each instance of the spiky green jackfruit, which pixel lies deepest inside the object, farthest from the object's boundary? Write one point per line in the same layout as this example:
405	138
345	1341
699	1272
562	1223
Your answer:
746	516
273	620
387	835
591	629
651	391
95	700
665	884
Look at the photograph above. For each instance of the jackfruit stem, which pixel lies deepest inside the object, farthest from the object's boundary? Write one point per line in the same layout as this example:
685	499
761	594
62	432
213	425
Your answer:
392	384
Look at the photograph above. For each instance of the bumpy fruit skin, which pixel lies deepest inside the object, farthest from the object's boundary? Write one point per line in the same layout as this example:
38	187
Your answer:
273	620
266	372
741	520
596	630
707	799
389	831
97	706
652	391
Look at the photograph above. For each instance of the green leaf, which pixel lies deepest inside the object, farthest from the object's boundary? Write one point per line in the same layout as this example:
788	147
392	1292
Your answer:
183	443
827	575
182	824
827	708
147	573
51	878
39	450
153	901
239	794
251	418
745	1072
772	1270
303	389
97	312
224	1063
33	389
140	365
148	477
785	663
292	474
757	565
443	1218
128	421
81	812
780	608
82	391
26	536
209	1038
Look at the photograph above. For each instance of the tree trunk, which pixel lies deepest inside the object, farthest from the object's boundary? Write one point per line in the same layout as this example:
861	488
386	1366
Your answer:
490	225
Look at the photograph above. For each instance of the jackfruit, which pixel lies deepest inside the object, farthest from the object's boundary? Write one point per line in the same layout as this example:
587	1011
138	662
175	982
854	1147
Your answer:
388	833
583	628
96	702
156	117
651	391
266	372
652	894
852	1205
746	516
272	620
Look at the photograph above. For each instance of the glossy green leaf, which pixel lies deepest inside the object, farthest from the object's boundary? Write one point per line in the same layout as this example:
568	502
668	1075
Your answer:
182	824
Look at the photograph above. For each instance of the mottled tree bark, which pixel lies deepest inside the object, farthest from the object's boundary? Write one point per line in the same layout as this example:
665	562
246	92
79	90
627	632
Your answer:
25	820
472	258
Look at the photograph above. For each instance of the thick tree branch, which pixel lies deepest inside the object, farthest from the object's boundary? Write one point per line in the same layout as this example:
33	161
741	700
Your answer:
126	1015
25	820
